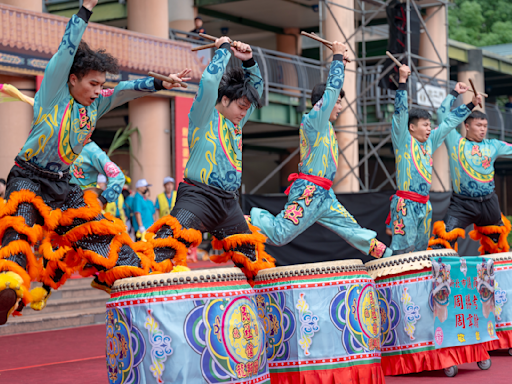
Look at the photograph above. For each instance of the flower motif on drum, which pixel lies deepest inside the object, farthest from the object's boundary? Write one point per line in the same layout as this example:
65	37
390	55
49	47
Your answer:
278	322
441	289
160	347
411	313
355	312
309	324
389	317
125	348
229	337
500	298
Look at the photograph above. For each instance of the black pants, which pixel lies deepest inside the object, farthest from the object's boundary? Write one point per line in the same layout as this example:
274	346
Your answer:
464	211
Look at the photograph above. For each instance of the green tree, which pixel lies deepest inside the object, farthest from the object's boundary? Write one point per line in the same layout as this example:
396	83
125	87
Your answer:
481	22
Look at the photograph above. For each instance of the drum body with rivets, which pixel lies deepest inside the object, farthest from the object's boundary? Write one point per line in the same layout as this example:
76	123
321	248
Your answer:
186	327
408	305
322	323
502	300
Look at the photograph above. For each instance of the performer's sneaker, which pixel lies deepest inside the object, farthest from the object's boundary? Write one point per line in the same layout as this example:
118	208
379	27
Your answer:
8	303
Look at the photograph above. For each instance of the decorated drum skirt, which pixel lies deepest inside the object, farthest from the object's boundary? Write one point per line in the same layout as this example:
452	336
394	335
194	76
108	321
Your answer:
407	304
185	327
502	298
322	323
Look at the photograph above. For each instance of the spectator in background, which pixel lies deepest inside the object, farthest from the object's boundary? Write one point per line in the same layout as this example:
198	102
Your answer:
2	188
165	201
199	26
143	208
509	104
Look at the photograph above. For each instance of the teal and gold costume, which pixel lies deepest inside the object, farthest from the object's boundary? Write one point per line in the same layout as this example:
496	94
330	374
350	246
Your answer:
41	207
473	200
91	162
311	198
411	219
208	198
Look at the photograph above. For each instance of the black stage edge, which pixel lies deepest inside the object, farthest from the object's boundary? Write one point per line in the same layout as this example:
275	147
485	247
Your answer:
318	244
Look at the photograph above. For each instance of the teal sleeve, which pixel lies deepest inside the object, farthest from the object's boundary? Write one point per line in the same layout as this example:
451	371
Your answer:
115	177
157	204
57	70
319	115
445	108
452	120
137	203
256	80
504	149
124	92
400	122
206	97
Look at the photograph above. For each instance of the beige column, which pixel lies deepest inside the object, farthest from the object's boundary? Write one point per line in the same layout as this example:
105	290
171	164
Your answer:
30	5
348	138
16	116
437	28
181	14
290	42
150	114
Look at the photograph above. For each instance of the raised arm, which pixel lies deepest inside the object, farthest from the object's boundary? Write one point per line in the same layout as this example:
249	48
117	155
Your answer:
206	97
400	122
252	71
319	115
57	70
115	177
444	110
452	120
504	149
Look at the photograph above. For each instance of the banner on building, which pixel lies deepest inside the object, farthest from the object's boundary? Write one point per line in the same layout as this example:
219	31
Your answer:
463	301
182	107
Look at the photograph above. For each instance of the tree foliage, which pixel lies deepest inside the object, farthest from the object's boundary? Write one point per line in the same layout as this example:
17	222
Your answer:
481	22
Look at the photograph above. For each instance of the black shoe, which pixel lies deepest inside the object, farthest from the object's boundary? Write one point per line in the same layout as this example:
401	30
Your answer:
8	300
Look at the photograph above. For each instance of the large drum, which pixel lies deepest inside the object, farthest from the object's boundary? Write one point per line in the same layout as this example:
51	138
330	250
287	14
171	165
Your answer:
502	301
185	327
407	304
322	323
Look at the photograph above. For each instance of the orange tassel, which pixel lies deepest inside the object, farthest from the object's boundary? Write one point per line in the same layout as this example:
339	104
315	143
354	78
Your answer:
89	212
443	242
34	234
48	273
487	245
21	246
50	240
123	271
440	230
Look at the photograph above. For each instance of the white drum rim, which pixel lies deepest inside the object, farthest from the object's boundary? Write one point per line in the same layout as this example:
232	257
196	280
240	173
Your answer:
310	269
504	256
179	278
405	262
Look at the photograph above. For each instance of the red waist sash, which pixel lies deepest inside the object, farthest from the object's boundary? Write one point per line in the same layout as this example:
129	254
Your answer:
317	180
413	196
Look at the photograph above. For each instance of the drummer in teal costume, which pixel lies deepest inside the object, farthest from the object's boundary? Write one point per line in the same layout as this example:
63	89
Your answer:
91	162
414	143
41	206
472	173
207	200
310	197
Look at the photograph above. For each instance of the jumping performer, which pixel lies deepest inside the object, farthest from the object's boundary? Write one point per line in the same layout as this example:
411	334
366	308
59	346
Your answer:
41	205
208	198
414	142
91	162
473	199
310	196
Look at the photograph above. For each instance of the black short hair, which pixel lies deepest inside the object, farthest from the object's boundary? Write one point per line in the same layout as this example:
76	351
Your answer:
475	115
87	59
234	85
416	114
2	181
198	18
318	92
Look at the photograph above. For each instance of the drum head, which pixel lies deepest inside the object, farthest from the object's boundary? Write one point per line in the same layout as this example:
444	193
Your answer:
504	256
180	278
310	269
406	262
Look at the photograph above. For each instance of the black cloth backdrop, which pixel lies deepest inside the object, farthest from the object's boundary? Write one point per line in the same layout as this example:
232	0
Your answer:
318	244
